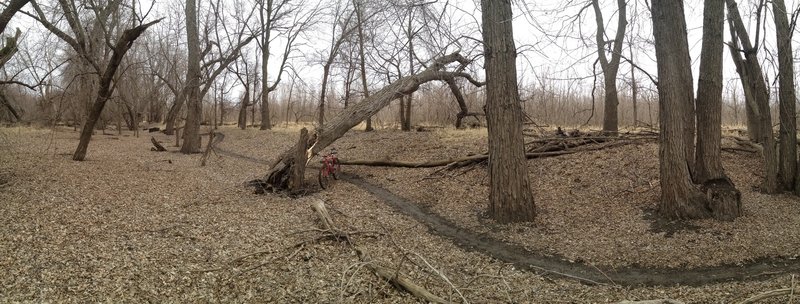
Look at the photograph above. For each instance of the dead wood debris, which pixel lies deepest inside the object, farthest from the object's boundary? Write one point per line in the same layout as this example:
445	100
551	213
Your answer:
156	145
394	276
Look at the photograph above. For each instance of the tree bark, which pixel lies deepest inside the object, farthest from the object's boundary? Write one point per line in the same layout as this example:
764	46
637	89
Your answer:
680	198
610	68
242	121
362	58
122	46
266	27
724	198
194	103
760	93
299	167
510	197
787	136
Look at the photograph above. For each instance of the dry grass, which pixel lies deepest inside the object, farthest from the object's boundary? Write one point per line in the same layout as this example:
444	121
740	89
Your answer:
131	225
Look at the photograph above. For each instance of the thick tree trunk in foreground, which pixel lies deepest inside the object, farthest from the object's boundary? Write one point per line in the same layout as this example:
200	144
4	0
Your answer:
760	94
680	198
725	200
194	102
510	197
352	116
124	43
787	135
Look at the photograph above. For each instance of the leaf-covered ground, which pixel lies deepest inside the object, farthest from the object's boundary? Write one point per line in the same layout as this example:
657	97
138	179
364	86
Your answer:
131	225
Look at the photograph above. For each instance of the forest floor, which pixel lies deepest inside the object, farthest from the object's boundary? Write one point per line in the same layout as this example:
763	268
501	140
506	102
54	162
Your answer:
132	225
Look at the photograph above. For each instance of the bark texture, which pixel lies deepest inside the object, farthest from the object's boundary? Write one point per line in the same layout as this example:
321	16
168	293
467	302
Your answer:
680	198
724	198
194	103
510	197
760	93
787	136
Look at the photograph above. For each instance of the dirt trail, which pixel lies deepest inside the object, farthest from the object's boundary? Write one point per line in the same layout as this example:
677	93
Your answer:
553	265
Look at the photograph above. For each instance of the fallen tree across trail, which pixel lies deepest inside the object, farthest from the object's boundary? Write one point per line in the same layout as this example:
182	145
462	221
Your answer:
281	170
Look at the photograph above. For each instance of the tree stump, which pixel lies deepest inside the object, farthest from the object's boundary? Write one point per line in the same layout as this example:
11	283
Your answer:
724	200
300	159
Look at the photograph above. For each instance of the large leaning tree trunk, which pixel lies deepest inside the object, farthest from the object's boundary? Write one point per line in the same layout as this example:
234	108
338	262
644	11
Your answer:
760	93
194	102
610	68
122	46
787	136
10	47
680	197
280	173
510	197
725	200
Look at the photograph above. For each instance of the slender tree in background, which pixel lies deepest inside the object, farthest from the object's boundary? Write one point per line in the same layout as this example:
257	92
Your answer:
610	68
787	136
756	95
359	8
194	103
510	197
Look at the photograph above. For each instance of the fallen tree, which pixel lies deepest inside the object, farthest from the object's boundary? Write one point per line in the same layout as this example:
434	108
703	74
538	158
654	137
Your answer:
473	159
282	169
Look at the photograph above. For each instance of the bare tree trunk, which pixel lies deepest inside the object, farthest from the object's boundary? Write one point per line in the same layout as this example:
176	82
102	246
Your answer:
724	199
634	91
406	121
174	111
610	68
680	198
510	197
299	168
462	105
124	43
788	131
194	103
266	27
362	59
760	95
242	121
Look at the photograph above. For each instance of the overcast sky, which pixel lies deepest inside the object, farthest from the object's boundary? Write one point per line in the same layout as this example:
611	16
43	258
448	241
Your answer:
553	43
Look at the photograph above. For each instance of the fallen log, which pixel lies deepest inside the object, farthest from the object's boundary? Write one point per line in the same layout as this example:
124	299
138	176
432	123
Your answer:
393	276
660	301
464	161
348	118
768	294
156	145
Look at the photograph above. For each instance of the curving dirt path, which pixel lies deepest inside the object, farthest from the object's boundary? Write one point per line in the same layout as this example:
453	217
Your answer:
554	265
